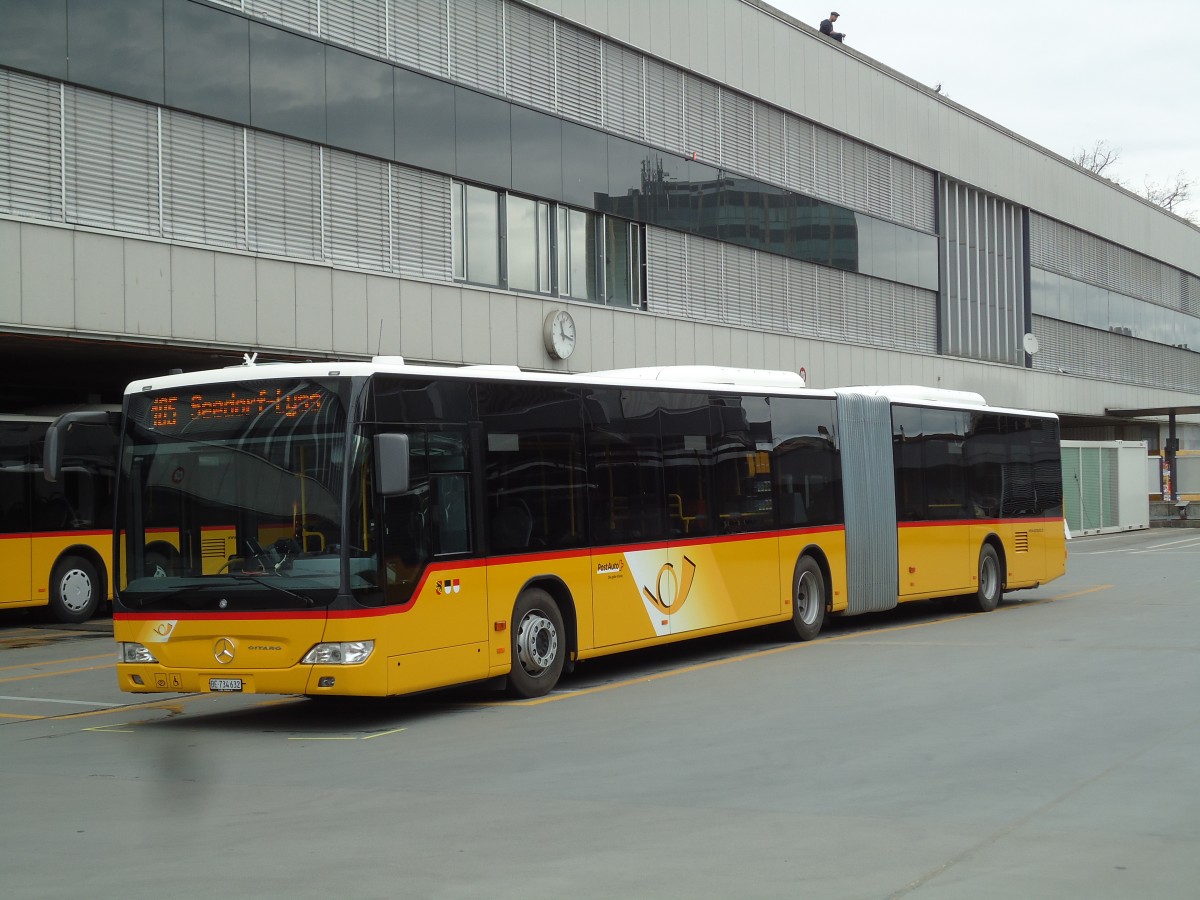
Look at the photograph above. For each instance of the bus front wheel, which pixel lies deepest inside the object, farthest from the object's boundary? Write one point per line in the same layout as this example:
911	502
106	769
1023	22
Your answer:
538	645
74	590
990	585
808	599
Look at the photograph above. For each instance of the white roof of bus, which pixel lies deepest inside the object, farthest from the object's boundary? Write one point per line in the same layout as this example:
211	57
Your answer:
715	378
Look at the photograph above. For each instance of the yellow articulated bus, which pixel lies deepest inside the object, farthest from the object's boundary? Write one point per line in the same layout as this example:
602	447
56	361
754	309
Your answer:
382	528
56	537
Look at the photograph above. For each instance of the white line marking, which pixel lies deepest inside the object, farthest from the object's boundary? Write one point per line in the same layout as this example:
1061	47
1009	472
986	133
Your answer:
50	700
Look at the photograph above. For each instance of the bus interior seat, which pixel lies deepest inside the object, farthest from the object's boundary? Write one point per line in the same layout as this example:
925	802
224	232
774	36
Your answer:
512	527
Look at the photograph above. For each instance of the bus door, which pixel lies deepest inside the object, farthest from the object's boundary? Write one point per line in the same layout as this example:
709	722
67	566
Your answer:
632	584
16	542
427	539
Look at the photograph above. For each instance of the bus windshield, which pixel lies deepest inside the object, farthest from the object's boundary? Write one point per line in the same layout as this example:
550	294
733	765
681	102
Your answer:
231	498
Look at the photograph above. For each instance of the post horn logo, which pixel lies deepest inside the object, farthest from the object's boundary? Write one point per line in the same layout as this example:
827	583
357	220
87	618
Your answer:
223	651
671	590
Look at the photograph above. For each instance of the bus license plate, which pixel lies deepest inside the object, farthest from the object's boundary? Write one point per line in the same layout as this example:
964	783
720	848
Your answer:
224	684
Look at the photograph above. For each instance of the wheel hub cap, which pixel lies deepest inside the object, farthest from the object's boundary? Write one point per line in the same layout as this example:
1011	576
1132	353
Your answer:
537	643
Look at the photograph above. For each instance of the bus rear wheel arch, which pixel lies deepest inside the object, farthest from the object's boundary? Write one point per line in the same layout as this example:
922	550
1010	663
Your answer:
75	589
810	597
538	644
990	583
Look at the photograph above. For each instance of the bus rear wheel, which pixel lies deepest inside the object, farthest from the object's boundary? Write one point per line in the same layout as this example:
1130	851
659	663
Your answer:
990	585
538	645
74	590
808	599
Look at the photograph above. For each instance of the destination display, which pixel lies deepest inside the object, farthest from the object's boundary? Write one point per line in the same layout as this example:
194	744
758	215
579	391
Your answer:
178	411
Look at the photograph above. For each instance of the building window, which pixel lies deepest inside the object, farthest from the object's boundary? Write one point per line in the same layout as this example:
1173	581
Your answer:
577	254
622	263
528	244
475	222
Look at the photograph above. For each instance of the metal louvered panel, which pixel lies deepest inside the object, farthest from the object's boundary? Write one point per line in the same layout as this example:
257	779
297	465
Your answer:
831	304
854	174
624	91
421	201
869	491
664	105
284	196
203	184
702	118
705	276
666	272
31	153
857	297
1078	350
420	34
829	179
477	42
924	199
361	24
112	162
529	43
298	14
803	300
579	74
915	324
880	192
356	211
772	293
741	287
881	318
737	131
800	159
770	143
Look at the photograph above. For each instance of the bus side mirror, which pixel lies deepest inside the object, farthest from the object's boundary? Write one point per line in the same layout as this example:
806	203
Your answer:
56	439
391	463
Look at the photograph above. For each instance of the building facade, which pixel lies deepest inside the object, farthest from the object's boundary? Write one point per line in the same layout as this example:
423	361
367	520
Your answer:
696	181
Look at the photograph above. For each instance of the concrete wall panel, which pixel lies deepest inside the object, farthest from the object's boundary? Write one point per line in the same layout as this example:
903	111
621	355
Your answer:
275	282
416	320
47	277
193	294
349	312
624	344
384	324
236	300
476	327
147	288
314	307
10	271
99	283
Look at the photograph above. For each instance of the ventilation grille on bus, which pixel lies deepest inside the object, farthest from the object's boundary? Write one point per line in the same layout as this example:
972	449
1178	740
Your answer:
213	548
1021	541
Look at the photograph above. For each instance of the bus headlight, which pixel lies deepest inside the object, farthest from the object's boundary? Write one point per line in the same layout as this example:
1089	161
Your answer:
129	652
344	653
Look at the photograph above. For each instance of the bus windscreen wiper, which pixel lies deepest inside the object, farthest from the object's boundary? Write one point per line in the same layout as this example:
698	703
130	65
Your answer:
243	576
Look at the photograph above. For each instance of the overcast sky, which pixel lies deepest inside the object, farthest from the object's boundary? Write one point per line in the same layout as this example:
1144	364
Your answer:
1063	74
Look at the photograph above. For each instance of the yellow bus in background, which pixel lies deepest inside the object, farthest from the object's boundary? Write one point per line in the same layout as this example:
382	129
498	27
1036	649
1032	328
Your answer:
382	528
56	538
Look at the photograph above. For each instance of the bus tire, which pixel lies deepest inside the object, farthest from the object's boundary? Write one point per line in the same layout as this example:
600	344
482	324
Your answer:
990	585
74	590
538	647
808	599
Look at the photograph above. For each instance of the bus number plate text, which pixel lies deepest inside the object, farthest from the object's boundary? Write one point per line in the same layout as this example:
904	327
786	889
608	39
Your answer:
225	684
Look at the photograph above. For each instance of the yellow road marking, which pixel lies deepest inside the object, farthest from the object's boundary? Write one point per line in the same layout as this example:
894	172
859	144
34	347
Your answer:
384	733
18	716
55	662
52	674
117	728
551	698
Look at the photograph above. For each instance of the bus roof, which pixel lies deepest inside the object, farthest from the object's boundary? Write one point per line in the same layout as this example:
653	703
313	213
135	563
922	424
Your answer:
714	378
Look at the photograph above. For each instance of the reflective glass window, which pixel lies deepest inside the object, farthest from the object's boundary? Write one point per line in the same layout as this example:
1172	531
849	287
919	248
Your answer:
208	61
584	165
626	497
34	36
476	224
482	138
622	262
359	105
537	153
577	254
117	46
630	168
287	83
805	461
528	230
424	121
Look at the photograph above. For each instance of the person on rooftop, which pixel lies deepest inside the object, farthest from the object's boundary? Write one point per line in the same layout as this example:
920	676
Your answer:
827	28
